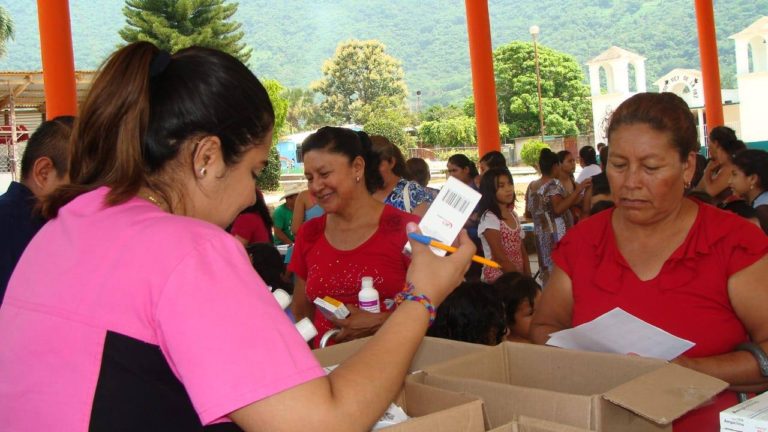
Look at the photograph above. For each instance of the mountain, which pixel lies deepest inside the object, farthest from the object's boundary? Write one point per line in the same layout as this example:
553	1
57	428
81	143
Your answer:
292	38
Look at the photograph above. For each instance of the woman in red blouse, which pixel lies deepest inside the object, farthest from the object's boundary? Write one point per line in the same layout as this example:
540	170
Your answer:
357	236
684	266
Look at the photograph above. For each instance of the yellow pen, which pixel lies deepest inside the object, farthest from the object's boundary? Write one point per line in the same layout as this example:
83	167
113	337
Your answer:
427	240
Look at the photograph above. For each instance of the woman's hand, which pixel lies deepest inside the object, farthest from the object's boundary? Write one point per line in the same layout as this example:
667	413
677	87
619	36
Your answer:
422	272
359	324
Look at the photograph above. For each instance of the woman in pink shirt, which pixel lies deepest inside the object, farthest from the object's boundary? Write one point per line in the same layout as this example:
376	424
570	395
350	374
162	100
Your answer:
133	309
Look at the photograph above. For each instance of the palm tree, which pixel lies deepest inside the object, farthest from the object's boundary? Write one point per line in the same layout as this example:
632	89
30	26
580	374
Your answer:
6	29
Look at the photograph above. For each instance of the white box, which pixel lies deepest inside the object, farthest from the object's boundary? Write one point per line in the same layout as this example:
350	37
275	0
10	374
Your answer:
749	416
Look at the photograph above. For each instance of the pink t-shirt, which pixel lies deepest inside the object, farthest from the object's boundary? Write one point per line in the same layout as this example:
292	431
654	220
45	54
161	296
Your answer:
100	286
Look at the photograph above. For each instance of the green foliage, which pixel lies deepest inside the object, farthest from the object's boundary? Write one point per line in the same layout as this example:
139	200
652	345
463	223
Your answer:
530	152
443	155
270	177
565	98
458	131
439	112
303	112
176	24
360	79
6	29
391	125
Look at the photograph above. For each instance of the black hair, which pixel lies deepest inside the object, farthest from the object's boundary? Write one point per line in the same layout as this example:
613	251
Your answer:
144	105
515	288
462	161
51	140
562	155
603	157
494	159
663	112
351	144
701	164
588	155
488	187
383	147
600	184
726	139
473	312
741	208
419	170
753	162
547	161
268	263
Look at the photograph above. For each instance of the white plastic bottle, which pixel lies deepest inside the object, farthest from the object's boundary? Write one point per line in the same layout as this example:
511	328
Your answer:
368	298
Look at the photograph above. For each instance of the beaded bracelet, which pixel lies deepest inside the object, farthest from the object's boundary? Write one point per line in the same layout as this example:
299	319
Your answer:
407	294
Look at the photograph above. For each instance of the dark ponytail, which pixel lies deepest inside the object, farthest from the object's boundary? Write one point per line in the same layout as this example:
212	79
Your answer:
145	105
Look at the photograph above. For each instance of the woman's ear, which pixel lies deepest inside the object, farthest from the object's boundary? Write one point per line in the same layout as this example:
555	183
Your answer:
689	167
207	158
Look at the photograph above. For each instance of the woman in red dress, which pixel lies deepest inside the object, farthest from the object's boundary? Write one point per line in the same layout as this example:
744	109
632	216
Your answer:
684	266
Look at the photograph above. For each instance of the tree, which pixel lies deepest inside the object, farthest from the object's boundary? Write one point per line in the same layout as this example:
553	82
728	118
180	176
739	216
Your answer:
7	29
269	179
565	97
459	131
393	125
358	75
530	152
176	24
303	113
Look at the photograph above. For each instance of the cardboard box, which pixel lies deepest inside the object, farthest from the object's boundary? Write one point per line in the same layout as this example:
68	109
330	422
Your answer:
595	391
431	351
527	424
748	416
436	410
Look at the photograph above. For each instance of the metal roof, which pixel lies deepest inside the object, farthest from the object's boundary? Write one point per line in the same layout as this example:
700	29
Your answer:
29	90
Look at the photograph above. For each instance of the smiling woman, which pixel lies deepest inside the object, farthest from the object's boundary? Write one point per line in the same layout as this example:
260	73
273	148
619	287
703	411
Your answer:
684	266
358	236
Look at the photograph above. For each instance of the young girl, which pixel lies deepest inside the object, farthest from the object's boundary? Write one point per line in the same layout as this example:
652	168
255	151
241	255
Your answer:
749	179
519	295
499	227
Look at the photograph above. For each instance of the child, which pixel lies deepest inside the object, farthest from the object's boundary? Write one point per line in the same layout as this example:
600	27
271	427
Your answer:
499	227
519	293
473	312
268	263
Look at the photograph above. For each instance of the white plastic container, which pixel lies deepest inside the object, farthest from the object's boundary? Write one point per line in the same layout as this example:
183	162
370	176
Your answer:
307	329
282	297
368	298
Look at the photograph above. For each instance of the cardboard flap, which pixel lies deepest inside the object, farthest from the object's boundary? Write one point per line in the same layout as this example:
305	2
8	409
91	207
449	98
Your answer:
666	393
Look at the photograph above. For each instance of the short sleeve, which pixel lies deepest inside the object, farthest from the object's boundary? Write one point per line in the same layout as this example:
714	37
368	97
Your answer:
488	221
744	247
224	334
554	188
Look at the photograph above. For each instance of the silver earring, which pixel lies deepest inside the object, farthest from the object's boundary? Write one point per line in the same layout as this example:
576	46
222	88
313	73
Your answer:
357	179
202	172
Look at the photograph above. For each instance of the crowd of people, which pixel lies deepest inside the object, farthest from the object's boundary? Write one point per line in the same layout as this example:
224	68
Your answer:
126	260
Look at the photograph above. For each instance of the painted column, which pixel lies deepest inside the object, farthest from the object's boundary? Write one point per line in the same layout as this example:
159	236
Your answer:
742	57
640	76
58	58
483	83
710	69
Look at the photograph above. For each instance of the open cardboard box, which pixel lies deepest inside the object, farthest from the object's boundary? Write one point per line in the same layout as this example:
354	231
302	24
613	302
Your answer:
594	391
431	351
527	424
435	410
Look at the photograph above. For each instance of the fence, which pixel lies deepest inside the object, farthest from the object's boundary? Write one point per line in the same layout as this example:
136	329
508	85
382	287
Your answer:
510	150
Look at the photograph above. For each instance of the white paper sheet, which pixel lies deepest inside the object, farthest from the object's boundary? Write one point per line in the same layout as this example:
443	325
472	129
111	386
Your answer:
620	332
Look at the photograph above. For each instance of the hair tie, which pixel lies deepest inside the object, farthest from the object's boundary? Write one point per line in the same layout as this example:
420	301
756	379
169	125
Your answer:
159	63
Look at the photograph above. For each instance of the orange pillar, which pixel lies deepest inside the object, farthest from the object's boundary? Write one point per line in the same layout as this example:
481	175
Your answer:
710	68
58	59
483	84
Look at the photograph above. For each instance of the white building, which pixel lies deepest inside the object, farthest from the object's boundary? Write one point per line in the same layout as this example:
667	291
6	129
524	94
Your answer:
752	77
615	63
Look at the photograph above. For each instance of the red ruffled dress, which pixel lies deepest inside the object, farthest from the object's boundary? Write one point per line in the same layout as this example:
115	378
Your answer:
688	298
